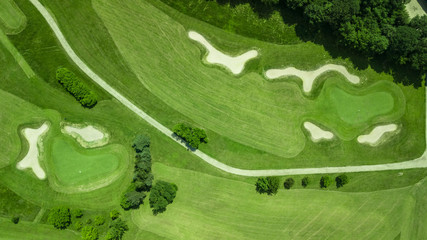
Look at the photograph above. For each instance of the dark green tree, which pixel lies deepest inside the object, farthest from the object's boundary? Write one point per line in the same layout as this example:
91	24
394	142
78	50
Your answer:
141	142
261	185
305	181
60	217
270	2
162	194
268	185
325	181
89	233
116	230
15	219
341	180
404	43
289	182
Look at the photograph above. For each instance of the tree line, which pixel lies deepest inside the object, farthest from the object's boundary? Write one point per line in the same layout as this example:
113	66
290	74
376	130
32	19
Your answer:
74	85
270	185
379	29
161	194
193	136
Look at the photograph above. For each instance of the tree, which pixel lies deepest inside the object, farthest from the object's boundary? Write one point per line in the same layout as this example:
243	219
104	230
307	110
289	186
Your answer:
132	200
141	142
305	181
261	185
99	220
76	87
60	217
403	43
77	213
117	229
89	233
15	219
114	214
289	182
341	180
268	185
162	194
325	181
78	225
270	2
193	136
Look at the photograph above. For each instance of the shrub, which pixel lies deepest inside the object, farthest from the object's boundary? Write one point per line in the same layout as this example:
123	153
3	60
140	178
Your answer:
89	221
76	87
15	219
114	214
77	213
141	142
305	181
193	136
288	183
78	225
162	194
99	220
117	229
89	233
132	199
60	217
341	180
325	181
268	185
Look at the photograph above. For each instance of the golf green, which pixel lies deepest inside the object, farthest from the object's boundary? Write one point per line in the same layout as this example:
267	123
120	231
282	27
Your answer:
73	165
357	109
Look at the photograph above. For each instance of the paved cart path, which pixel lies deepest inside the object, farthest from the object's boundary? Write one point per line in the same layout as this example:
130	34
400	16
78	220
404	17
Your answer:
417	163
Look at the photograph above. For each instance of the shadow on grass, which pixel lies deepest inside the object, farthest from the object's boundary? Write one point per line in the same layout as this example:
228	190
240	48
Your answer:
325	36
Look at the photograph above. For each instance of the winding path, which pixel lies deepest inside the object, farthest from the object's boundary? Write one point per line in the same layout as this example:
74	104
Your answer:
417	163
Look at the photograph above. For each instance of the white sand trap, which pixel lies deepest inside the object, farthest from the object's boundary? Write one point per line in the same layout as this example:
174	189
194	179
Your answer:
317	134
31	160
373	138
308	77
87	136
235	64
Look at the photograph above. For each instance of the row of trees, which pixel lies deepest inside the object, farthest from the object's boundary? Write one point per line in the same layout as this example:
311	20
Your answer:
270	185
142	177
193	136
80	91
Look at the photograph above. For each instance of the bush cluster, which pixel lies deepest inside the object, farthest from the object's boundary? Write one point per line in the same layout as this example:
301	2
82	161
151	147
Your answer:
289	182
268	185
142	177
162	194
60	217
76	87
117	229
193	136
89	233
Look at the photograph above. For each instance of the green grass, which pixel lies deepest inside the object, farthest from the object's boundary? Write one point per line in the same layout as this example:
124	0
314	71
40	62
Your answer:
218	208
73	165
27	230
12	205
12	20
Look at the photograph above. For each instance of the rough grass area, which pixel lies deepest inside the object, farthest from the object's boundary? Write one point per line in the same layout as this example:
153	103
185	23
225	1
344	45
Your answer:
12	20
218	208
13	205
74	165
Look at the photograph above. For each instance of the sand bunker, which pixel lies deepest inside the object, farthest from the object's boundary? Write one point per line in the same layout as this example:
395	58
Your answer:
317	134
31	160
373	138
235	64
87	136
308	77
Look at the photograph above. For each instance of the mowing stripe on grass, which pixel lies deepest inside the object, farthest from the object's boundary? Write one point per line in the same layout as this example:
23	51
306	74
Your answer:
417	163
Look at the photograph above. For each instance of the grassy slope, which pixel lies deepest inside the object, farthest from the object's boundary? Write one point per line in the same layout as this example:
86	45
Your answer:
27	230
93	43
216	205
12	20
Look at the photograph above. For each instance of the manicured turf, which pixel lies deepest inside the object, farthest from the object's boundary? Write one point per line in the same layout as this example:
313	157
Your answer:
12	19
207	207
76	166
107	62
357	109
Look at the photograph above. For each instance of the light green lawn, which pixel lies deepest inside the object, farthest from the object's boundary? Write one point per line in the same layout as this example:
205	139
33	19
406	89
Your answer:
74	165
12	20
94	45
208	207
31	231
